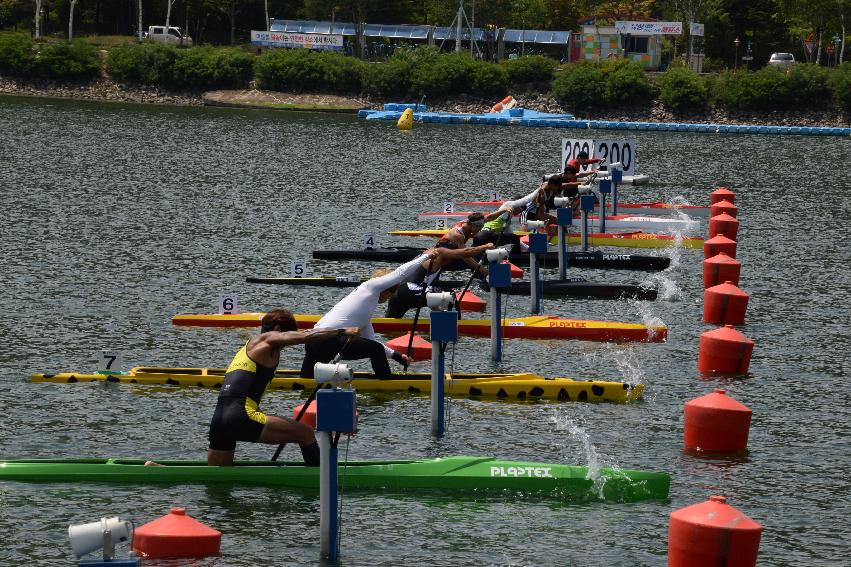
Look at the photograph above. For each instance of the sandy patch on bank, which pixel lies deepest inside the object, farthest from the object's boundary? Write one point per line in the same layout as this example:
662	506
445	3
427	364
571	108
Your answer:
256	98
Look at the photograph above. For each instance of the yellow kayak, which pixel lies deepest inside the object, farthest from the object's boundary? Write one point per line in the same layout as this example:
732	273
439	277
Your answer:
521	387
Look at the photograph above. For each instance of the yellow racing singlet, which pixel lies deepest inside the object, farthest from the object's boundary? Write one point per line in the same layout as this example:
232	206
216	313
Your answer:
244	378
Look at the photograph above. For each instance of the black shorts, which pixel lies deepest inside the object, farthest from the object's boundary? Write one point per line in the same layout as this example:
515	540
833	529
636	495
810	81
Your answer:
235	419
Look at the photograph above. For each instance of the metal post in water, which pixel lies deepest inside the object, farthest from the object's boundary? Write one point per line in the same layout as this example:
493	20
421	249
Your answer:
605	189
327	495
617	177
586	205
537	245
443	328
499	277
564	219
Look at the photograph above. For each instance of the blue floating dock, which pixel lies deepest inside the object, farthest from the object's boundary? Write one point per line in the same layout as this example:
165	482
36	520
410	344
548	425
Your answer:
534	119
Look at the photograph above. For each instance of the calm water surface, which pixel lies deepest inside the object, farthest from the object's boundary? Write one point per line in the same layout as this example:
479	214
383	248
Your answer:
118	217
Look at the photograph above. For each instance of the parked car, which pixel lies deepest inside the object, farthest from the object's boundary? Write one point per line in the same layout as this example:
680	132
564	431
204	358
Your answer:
174	36
782	60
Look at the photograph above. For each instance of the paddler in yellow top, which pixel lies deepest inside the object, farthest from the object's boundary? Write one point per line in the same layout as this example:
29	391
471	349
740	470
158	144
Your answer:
237	416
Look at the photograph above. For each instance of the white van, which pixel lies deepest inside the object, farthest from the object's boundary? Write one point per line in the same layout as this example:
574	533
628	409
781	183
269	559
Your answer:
173	37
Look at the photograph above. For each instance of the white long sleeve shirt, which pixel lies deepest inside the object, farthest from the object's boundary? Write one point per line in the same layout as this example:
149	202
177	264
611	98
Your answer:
356	309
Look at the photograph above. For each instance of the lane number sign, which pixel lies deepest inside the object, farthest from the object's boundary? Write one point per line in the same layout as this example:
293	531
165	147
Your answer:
448	207
494	196
298	268
109	361
441	223
228	303
369	241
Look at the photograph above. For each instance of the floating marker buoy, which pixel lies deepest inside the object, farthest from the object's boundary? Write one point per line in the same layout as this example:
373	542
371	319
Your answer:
718	244
406	121
420	348
724	304
722	194
724	350
724	206
716	423
472	302
309	417
720	268
176	535
710	534
723	224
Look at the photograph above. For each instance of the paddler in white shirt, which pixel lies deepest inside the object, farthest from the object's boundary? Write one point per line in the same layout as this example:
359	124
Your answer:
356	310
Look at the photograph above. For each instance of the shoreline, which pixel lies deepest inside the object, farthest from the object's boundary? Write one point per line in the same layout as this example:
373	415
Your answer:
106	90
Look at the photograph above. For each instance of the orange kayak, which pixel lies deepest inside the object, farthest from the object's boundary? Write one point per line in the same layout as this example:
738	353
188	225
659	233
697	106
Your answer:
532	327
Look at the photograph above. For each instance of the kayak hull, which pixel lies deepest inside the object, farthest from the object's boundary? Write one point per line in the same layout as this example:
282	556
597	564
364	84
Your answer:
634	239
630	221
592	259
508	387
454	474
533	327
552	288
656	208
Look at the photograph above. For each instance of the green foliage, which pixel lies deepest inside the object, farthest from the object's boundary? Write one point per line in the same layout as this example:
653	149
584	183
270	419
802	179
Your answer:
840	84
75	61
457	73
206	68
146	63
626	83
808	87
16	54
579	86
803	87
533	68
681	90
302	70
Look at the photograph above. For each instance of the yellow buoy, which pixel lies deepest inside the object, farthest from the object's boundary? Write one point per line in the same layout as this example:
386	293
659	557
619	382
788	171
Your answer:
406	121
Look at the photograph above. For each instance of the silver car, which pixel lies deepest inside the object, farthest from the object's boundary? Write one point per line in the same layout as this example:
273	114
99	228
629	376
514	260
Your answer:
782	60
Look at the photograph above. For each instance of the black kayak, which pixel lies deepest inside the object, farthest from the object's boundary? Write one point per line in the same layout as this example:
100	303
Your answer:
592	259
575	287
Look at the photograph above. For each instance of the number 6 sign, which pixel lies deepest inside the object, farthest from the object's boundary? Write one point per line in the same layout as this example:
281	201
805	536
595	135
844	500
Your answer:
228	304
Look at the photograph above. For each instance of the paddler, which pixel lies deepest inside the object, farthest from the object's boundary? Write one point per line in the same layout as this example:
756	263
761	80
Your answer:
497	228
356	309
581	160
237	416
412	292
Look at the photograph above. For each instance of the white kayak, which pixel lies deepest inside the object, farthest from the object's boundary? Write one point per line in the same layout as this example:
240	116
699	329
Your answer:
624	221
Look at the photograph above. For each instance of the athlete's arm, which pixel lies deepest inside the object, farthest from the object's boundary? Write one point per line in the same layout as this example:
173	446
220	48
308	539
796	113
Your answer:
287	338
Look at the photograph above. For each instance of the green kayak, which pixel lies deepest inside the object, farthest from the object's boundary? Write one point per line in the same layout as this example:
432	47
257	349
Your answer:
444	474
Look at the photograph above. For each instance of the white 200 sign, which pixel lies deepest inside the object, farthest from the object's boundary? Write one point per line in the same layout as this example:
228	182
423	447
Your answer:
608	150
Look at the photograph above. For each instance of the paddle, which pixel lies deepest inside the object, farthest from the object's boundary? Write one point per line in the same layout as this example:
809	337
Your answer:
417	313
310	399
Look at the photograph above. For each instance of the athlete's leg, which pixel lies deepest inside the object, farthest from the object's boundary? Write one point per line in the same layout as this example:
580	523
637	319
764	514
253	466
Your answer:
219	458
283	430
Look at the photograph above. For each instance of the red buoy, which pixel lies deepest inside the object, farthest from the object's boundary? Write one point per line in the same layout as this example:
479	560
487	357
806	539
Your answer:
309	417
712	534
716	423
176	535
420	348
722	194
716	209
724	304
724	350
716	244
472	302
720	268
723	224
